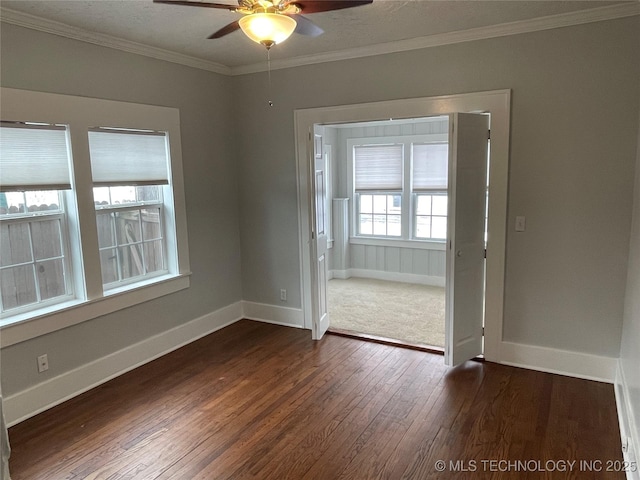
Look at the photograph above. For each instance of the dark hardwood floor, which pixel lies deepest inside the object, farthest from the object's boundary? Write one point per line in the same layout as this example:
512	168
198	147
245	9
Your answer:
266	402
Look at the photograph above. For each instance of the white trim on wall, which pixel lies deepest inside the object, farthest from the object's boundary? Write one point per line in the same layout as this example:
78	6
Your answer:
629	427
561	362
498	104
388	276
598	14
30	402
262	312
41	24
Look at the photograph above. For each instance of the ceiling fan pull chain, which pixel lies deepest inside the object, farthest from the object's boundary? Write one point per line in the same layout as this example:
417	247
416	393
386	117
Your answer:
269	73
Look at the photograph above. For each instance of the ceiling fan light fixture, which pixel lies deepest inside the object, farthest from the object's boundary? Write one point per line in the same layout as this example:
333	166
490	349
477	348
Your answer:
267	29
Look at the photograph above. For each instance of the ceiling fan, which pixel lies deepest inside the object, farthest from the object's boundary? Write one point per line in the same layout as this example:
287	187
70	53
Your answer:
270	22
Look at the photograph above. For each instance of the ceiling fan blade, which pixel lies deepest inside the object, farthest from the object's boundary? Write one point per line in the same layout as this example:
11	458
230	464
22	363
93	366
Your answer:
306	27
232	27
315	6
198	4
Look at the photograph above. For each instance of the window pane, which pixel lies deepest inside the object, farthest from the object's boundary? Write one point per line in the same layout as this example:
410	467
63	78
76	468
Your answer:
149	193
423	204
440	205
43	201
130	261
106	235
128	227
379	204
366	225
46	239
18	287
15	244
379	224
394	225
439	227
394	204
12	203
123	195
109	266
101	196
138	237
151	228
153	256
423	227
51	278
366	204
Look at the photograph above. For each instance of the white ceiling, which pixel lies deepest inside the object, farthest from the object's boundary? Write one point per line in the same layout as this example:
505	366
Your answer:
351	32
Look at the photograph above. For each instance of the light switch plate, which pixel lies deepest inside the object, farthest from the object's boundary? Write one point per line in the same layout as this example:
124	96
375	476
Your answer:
521	224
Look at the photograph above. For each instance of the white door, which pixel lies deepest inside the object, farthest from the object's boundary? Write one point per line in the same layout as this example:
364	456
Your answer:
468	134
319	239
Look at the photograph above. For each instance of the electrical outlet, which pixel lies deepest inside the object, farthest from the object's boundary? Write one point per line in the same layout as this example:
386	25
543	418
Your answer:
283	295
43	363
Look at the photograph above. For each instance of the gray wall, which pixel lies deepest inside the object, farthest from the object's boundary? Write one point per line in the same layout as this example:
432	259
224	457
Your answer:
573	138
629	351
574	130
36	61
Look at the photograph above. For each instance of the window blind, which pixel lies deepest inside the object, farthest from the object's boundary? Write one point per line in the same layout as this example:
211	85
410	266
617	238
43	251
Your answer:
126	157
378	167
430	166
33	157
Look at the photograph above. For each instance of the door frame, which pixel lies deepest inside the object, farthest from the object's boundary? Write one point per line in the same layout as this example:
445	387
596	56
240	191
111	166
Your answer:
498	104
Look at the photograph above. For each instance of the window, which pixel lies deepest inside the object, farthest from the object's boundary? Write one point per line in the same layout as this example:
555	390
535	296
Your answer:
378	189
34	264
89	208
379	215
430	163
33	259
129	169
400	187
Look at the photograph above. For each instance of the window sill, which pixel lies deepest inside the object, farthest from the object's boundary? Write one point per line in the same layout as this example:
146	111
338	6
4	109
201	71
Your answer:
19	328
399	243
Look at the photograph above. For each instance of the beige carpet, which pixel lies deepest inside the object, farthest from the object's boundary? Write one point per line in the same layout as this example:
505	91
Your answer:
402	311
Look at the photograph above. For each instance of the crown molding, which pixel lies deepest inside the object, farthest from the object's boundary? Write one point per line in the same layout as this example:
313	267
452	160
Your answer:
33	22
493	31
598	14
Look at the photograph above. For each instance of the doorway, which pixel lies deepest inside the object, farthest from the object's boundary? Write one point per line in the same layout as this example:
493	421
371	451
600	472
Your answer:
386	214
497	104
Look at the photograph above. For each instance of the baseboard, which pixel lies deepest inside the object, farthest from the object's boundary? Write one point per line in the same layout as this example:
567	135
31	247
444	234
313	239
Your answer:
30	402
389	276
562	362
287	316
341	274
629	432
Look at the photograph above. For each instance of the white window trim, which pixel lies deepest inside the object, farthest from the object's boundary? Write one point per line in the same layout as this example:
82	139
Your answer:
407	201
403	243
81	114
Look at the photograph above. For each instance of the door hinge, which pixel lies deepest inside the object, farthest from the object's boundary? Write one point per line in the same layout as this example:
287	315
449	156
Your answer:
488	134
483	331
485	253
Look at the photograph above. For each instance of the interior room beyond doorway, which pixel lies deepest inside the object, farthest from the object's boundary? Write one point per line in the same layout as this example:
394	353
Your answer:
387	209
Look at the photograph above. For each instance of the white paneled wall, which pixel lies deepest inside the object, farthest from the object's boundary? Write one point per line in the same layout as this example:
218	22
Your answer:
370	259
404	264
340	253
